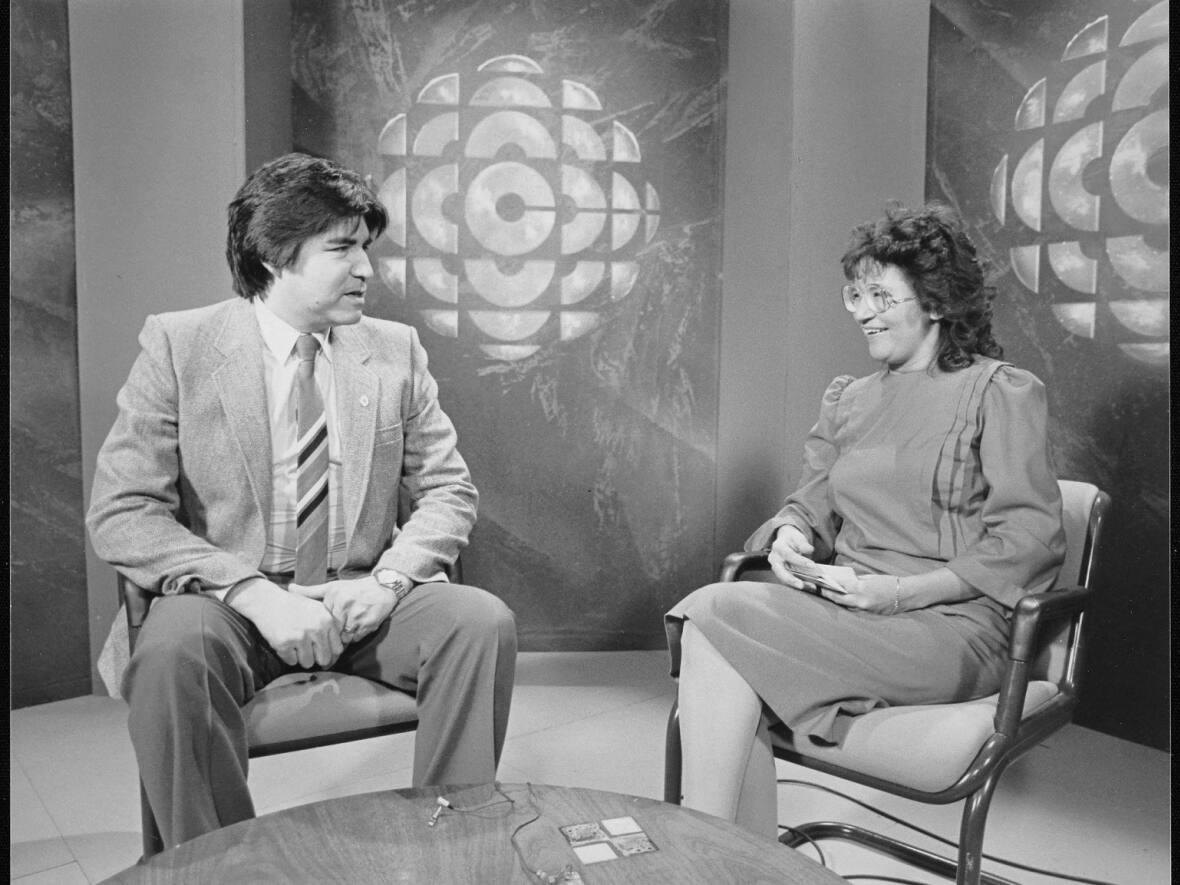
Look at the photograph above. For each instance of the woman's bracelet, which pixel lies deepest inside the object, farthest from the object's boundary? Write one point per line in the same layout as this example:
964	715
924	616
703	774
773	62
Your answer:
896	596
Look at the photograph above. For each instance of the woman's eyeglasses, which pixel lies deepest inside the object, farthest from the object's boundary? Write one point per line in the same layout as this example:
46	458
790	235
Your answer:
877	298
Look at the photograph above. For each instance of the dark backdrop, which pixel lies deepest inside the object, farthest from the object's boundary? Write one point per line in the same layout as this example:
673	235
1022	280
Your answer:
50	647
1103	353
595	453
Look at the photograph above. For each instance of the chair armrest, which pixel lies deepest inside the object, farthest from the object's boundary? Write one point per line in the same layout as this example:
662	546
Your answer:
1032	614
136	602
731	569
1034	609
454	571
675	633
736	563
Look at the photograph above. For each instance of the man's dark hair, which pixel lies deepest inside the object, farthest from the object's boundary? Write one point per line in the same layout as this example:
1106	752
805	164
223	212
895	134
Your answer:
931	247
285	202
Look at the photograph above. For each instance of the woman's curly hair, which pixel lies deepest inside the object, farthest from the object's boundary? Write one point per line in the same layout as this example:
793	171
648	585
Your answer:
931	247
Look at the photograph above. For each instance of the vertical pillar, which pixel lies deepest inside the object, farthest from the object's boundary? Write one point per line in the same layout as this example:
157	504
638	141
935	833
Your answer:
159	92
826	121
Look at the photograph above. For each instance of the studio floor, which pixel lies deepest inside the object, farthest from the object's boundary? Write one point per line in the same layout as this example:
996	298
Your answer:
1083	803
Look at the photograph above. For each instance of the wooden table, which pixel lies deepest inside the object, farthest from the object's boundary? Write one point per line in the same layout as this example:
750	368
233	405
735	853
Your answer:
384	838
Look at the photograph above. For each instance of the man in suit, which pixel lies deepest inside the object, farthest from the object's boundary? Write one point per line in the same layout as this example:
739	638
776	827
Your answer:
281	474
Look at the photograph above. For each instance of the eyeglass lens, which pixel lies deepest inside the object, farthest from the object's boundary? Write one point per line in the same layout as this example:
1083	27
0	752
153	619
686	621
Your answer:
878	299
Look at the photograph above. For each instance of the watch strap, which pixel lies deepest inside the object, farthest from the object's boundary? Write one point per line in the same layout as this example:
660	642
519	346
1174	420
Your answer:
399	584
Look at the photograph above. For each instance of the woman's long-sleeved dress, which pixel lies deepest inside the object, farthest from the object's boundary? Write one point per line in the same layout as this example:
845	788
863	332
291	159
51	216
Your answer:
904	473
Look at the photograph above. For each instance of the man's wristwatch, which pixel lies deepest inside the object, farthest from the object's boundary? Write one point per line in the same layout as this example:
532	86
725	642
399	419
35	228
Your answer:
391	580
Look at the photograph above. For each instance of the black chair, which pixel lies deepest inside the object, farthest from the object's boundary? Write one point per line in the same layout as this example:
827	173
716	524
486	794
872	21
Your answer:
941	753
297	711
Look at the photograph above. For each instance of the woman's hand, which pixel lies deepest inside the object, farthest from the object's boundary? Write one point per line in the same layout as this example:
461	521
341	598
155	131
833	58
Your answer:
880	594
791	549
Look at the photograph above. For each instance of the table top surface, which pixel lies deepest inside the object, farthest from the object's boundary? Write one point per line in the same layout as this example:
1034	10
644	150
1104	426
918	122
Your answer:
490	836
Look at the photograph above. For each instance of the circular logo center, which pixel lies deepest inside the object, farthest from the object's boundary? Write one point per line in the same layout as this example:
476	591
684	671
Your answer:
518	207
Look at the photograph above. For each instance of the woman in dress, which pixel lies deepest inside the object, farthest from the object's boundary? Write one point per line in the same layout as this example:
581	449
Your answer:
930	479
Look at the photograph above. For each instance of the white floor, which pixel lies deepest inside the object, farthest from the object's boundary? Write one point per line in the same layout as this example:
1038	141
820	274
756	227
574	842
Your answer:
1084	803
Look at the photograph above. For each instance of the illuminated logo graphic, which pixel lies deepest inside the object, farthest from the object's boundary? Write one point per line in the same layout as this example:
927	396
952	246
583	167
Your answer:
1087	193
517	207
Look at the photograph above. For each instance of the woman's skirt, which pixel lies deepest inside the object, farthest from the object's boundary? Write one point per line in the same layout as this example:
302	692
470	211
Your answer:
815	663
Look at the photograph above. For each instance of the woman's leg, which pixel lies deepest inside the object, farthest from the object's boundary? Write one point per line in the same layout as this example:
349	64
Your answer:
758	804
728	767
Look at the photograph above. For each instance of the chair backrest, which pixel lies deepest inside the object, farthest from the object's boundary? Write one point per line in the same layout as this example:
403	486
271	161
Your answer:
1084	509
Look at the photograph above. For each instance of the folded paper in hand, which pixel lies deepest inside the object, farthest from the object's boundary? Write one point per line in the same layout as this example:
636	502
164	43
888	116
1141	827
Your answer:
828	576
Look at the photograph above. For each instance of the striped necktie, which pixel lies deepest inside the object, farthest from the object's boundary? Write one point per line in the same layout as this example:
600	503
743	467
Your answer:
311	554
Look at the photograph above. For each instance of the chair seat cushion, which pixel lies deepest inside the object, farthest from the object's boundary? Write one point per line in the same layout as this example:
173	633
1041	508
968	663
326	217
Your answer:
311	706
926	747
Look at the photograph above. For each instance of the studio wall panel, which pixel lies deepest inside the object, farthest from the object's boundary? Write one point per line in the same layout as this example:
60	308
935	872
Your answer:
158	123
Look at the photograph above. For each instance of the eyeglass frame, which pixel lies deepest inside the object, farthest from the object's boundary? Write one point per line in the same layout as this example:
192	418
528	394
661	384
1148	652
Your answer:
848	290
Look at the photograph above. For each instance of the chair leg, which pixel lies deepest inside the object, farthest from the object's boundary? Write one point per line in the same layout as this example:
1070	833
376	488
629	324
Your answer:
672	757
971	830
153	842
895	848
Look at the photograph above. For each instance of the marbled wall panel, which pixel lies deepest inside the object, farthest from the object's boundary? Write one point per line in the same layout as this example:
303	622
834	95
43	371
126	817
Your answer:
1094	332
50	644
594	449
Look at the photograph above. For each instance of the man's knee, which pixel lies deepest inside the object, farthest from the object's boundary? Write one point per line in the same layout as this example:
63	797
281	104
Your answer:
183	638
483	608
477	612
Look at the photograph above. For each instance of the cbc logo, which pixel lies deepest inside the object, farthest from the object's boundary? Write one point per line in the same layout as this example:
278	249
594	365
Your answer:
1085	189
517	207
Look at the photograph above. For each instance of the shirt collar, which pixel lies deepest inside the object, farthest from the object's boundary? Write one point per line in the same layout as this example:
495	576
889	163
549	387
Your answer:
280	337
